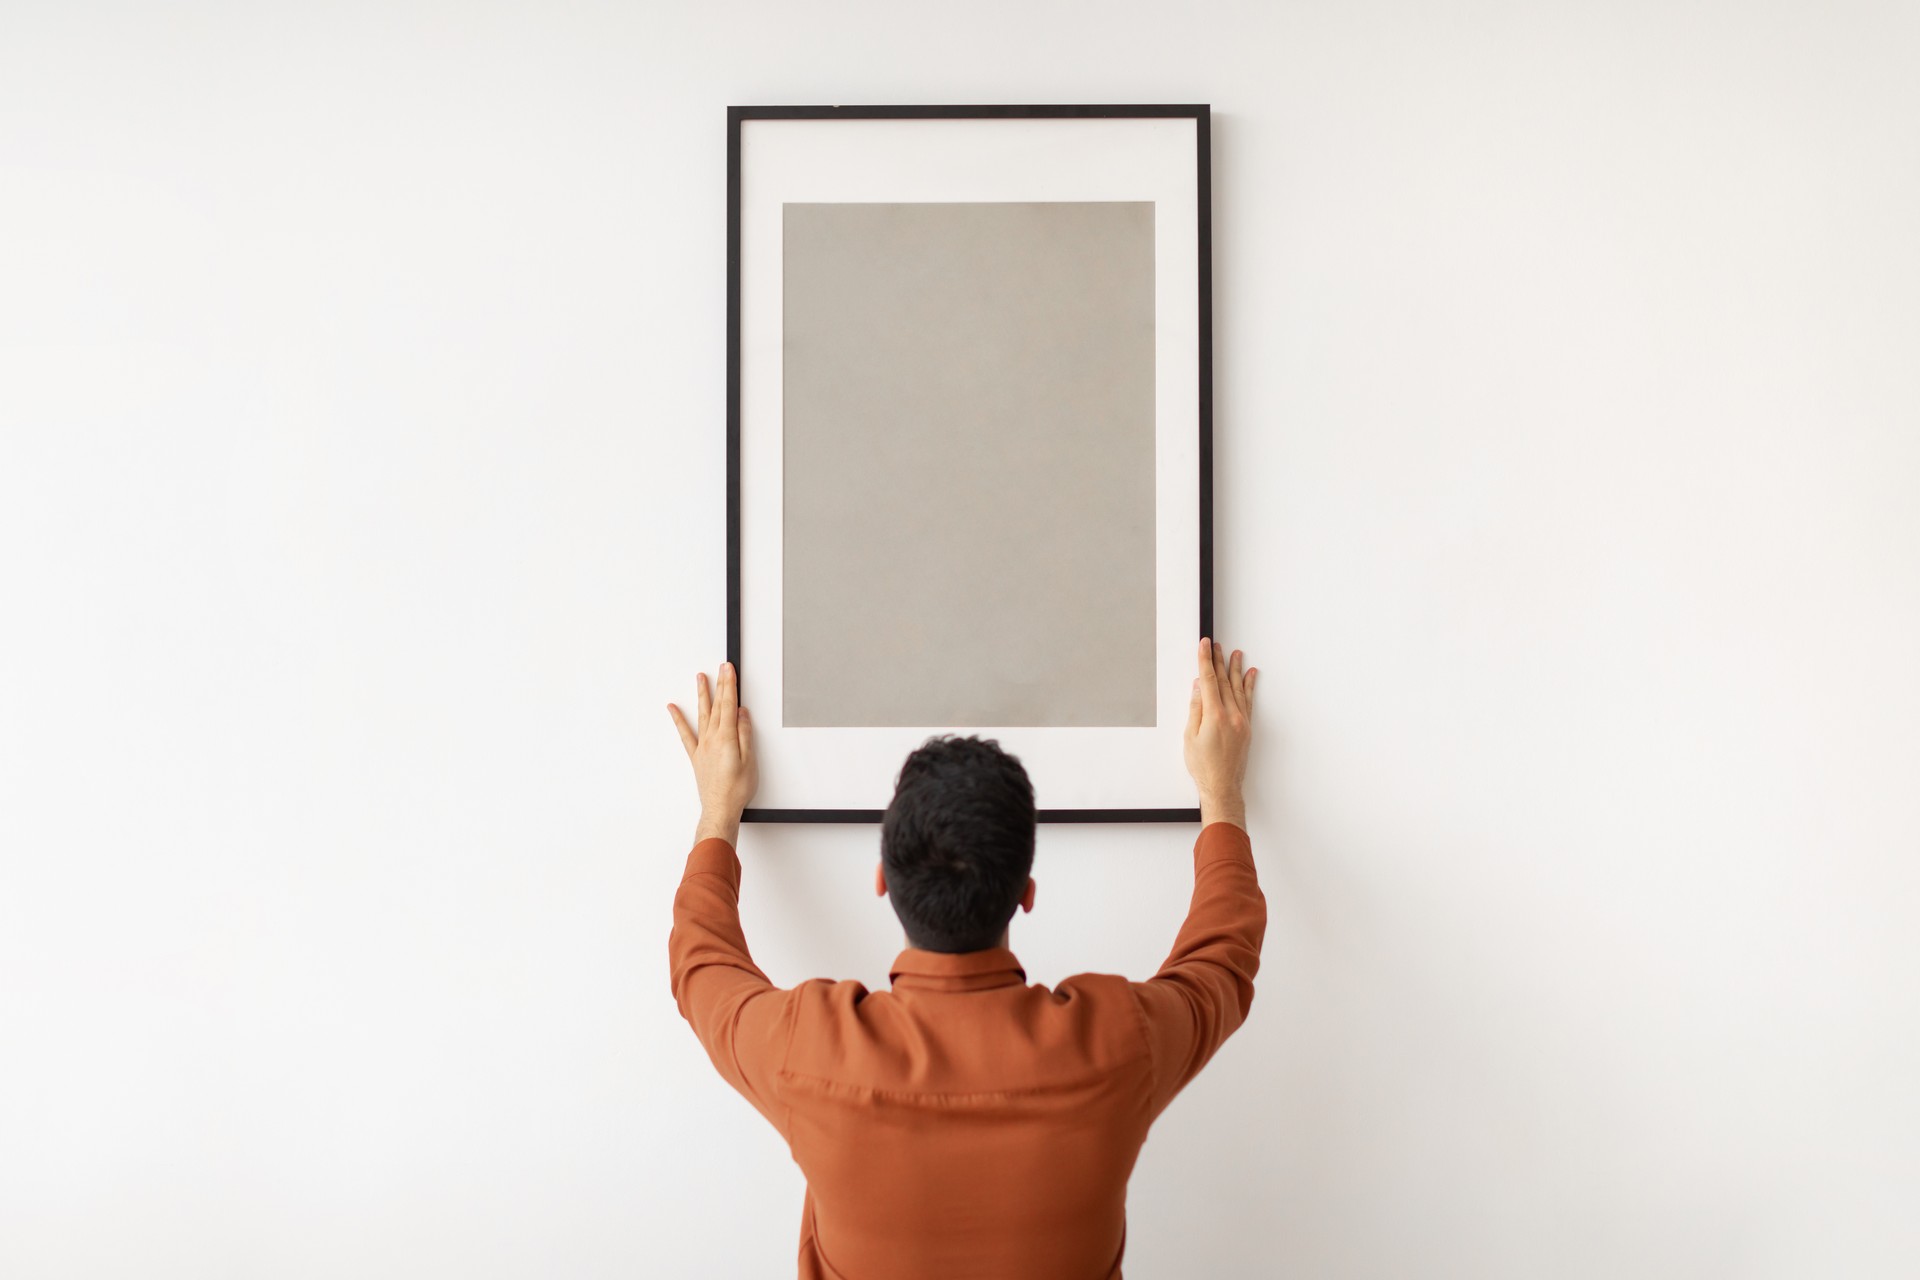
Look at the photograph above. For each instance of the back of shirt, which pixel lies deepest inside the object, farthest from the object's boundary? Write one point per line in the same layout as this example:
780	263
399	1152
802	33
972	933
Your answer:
974	1132
966	1123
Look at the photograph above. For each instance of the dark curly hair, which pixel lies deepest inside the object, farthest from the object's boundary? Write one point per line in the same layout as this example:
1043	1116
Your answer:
957	843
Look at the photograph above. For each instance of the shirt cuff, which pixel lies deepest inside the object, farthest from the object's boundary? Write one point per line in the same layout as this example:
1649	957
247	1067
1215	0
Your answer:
1219	841
715	857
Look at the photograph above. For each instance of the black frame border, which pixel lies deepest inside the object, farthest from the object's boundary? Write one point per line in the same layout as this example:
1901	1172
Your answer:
1201	115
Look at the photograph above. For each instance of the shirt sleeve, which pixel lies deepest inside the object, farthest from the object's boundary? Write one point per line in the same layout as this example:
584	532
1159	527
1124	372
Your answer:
742	1019
1202	993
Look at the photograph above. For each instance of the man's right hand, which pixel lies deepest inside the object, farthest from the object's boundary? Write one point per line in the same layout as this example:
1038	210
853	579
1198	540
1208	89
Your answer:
1219	730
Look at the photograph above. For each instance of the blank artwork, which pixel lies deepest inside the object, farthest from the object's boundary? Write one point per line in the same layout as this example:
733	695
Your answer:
968	449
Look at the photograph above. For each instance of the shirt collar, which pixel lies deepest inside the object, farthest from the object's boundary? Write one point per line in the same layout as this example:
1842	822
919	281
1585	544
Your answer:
917	970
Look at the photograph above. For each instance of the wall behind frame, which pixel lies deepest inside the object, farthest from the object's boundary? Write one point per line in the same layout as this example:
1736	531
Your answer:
360	411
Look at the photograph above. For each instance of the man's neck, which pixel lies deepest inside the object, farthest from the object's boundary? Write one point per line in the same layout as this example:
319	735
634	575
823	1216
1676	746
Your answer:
1005	936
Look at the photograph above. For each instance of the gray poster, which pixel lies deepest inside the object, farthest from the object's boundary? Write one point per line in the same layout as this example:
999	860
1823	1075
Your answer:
969	464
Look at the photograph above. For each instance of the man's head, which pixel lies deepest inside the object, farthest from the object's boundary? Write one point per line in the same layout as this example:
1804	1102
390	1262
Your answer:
956	845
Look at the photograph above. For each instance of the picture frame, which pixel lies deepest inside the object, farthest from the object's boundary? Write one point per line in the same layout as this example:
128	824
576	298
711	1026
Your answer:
942	322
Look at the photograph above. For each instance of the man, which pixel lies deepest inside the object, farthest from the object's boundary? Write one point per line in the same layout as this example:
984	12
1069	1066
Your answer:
964	1123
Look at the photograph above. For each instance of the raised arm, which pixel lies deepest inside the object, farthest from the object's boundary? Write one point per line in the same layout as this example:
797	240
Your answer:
1202	993
741	1018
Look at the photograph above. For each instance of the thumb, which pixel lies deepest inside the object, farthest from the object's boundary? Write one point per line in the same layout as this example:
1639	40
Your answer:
1193	711
745	723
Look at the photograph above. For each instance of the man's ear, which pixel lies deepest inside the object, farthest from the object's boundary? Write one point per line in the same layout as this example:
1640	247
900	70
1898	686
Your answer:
1026	899
880	878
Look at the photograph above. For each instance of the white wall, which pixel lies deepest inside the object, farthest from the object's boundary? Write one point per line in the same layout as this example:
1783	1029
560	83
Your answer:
361	398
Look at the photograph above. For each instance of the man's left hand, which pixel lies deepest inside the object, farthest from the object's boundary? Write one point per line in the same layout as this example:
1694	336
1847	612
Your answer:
721	749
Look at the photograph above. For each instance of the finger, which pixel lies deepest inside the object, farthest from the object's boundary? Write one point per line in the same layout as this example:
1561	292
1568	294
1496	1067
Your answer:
706	701
1193	711
1228	702
1252	674
1209	681
1236	679
729	699
687	739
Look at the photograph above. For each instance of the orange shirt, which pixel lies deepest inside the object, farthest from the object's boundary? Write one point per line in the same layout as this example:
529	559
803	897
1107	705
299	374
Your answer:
966	1123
